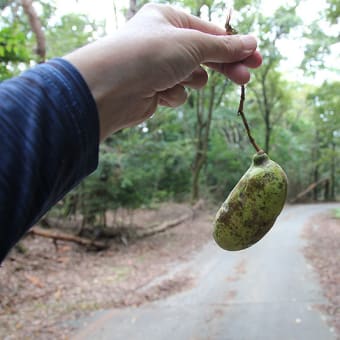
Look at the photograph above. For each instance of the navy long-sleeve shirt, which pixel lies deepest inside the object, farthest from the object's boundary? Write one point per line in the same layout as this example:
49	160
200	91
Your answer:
49	136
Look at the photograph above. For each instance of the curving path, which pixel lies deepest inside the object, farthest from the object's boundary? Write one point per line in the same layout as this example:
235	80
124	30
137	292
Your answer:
265	292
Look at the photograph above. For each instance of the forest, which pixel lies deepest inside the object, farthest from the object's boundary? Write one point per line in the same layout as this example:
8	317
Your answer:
200	150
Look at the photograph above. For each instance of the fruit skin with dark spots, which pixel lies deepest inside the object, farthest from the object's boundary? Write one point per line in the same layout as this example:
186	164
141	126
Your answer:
253	205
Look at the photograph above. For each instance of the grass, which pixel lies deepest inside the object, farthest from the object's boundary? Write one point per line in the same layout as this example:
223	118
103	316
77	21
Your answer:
336	213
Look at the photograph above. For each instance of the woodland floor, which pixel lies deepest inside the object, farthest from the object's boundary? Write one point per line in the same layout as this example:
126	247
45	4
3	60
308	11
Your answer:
45	288
323	253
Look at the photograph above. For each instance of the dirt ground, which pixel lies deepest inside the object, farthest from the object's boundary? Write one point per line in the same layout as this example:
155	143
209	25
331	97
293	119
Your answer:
45	288
323	253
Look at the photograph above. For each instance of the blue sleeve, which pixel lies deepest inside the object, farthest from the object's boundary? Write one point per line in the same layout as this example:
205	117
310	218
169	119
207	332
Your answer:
49	136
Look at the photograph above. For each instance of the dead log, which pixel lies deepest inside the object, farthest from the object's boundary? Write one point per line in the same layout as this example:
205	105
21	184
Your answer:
59	236
122	232
162	227
309	189
169	224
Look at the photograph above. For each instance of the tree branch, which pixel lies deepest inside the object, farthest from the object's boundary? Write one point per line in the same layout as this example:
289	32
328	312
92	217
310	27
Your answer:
132	9
220	97
257	99
36	28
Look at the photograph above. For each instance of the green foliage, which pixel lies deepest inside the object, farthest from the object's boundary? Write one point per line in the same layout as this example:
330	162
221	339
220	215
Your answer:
4	3
242	4
138	167
333	11
326	105
12	50
336	213
12	45
226	164
321	37
317	49
17	42
70	32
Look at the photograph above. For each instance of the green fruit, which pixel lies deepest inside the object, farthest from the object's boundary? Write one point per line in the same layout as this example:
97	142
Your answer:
253	205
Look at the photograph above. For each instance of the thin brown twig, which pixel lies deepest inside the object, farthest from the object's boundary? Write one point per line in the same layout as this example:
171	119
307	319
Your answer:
230	30
245	122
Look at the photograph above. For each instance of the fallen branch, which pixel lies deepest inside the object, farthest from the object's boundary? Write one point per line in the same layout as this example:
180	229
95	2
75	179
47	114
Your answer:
122	232
59	236
309	189
169	224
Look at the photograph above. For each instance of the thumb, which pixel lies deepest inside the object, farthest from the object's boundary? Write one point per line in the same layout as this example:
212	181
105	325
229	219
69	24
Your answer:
224	48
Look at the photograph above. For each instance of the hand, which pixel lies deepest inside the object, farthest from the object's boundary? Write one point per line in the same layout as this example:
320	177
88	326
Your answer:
153	58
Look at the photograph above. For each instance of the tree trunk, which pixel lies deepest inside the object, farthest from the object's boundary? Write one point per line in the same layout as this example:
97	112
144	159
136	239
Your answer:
199	159
132	9
310	188
315	179
316	156
267	138
326	193
267	112
333	170
36	29
202	135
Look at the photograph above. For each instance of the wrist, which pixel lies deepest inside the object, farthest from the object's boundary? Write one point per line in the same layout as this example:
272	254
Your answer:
104	74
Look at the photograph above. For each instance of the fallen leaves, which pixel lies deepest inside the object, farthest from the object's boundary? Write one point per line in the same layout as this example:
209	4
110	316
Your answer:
34	280
323	253
43	290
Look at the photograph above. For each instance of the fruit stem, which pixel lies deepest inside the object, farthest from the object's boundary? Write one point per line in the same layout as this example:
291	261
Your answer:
230	31
245	123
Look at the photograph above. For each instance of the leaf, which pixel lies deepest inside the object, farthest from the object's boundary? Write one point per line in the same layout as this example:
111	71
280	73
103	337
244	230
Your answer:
34	280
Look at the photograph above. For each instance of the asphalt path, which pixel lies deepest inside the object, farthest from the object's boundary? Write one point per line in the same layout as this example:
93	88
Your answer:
265	292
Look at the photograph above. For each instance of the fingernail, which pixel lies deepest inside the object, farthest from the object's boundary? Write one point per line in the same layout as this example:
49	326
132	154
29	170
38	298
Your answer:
249	42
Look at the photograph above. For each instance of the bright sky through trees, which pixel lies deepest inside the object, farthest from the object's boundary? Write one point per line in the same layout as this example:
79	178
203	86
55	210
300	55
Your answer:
110	11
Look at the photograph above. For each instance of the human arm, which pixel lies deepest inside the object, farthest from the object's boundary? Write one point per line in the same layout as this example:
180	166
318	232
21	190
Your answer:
49	133
52	117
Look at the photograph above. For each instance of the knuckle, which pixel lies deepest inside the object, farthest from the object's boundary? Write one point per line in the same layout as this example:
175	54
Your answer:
230	48
156	7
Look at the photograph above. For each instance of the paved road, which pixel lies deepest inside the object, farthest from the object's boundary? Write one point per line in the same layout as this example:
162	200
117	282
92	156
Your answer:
267	292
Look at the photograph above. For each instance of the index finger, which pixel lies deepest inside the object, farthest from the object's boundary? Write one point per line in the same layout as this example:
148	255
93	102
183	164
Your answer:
193	22
181	19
